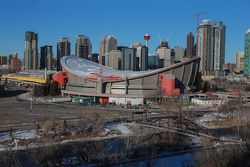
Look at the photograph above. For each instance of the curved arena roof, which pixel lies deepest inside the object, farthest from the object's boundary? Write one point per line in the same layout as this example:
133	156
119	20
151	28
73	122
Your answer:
91	71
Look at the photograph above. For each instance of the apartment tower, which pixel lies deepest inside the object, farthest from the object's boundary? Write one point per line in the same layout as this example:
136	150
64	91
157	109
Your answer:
63	49
31	51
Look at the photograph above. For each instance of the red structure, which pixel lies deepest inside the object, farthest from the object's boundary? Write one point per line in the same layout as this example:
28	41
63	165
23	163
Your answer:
190	45
168	85
104	100
61	78
15	63
146	38
235	91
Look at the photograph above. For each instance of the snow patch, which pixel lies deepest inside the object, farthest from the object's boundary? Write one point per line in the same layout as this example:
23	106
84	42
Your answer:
118	127
4	137
26	134
210	117
19	135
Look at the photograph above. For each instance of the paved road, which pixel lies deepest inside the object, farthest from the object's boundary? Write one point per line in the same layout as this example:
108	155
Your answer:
16	114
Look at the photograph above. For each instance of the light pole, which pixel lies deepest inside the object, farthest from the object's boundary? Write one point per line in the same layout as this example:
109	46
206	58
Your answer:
31	100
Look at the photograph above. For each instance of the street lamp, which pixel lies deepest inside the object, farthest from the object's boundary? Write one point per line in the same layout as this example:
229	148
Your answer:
31	100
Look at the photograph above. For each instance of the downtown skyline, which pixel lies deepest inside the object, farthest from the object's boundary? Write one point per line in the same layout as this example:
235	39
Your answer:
127	22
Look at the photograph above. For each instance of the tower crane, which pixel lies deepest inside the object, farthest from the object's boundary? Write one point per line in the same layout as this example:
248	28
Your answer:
198	15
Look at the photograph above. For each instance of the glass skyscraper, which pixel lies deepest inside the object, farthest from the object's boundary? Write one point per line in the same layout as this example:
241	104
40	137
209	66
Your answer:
107	44
83	47
211	47
128	59
205	46
142	58
219	46
46	57
31	51
247	54
63	49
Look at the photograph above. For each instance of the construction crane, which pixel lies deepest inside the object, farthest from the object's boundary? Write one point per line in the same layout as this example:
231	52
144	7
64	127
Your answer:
169	37
159	37
164	42
198	15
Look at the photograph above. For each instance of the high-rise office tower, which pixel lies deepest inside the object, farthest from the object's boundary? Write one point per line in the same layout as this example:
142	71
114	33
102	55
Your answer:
165	58
106	59
179	53
142	58
10	58
136	44
46	57
63	49
219	46
205	46
3	60
54	62
240	61
121	47
153	61
83	47
190	45
115	59
107	44
94	57
128	59
211	47
247	54
31	51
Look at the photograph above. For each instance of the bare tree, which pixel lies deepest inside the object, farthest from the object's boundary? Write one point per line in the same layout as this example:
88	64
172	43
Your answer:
229	156
8	159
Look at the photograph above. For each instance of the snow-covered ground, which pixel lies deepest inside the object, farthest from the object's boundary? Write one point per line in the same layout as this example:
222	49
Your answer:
122	128
206	119
26	96
28	134
32	134
4	137
210	117
110	131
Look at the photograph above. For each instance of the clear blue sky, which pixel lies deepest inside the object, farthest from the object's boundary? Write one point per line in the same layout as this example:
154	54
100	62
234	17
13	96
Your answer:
127	20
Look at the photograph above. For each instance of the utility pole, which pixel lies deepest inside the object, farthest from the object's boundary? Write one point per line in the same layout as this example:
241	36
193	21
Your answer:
31	100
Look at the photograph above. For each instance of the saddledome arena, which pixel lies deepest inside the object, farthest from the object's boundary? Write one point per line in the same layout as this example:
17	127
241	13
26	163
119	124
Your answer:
86	78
